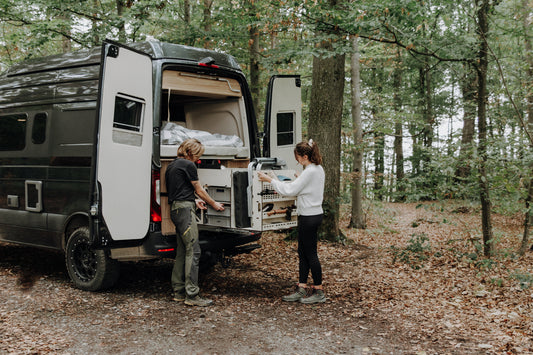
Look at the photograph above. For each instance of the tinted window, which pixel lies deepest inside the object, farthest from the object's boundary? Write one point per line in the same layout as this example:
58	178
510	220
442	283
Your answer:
13	132
285	128
128	114
38	131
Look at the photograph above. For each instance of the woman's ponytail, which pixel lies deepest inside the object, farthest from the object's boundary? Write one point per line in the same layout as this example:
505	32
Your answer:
309	148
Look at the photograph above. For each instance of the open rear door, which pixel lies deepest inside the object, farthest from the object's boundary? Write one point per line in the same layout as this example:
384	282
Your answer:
121	196
283	118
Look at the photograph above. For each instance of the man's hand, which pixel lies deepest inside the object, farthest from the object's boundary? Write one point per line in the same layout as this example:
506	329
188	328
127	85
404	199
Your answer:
218	206
200	204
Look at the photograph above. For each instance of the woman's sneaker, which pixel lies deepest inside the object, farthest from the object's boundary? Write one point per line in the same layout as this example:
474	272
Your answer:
296	296
317	297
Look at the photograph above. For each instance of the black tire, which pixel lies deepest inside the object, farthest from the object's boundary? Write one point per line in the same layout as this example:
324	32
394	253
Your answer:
89	269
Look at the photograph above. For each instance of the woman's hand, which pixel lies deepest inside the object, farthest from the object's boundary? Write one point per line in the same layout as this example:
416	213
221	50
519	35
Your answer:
264	177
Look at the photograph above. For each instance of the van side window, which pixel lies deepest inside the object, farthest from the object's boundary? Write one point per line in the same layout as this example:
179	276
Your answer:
128	114
38	131
285	124
13	132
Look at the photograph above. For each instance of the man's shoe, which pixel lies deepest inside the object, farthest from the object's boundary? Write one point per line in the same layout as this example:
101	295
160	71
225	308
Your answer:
198	301
317	297
178	297
296	296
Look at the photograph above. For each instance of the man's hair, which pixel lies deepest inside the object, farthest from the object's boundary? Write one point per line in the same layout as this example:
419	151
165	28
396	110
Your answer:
191	148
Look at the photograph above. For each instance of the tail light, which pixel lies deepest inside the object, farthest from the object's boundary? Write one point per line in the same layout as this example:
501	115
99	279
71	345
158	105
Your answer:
155	204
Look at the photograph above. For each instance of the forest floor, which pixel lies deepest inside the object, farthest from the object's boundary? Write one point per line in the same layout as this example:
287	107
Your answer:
413	282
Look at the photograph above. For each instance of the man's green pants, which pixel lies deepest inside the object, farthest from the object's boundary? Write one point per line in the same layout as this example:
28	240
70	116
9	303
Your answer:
185	272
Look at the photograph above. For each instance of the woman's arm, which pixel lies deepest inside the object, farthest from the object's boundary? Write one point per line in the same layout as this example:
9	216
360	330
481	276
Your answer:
292	188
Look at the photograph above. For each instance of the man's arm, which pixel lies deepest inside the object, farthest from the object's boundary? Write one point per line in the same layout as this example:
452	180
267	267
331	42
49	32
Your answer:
200	192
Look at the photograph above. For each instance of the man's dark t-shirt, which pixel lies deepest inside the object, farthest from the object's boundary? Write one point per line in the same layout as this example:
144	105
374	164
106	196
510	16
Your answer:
178	177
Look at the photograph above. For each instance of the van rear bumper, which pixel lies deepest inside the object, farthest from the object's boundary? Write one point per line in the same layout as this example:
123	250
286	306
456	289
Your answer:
229	242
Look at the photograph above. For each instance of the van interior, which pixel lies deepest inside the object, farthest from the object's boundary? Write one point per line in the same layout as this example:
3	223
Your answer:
211	109
200	105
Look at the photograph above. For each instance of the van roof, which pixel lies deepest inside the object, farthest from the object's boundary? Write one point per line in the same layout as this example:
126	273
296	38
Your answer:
154	48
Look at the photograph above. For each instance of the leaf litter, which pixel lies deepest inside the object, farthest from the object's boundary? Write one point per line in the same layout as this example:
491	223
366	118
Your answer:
413	282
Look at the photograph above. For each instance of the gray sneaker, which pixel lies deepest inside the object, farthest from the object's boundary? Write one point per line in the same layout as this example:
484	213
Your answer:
296	296
317	297
198	301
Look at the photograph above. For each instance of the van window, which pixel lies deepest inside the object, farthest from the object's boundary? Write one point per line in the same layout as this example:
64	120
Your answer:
13	132
285	124
128	114
38	131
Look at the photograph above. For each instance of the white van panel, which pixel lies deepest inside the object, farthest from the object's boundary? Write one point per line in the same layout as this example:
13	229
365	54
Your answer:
124	147
285	108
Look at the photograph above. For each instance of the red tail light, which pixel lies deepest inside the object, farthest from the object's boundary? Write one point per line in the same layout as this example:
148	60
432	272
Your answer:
165	250
208	65
155	204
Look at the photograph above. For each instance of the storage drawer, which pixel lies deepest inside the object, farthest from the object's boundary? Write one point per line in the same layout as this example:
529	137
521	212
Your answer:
212	212
221	221
219	194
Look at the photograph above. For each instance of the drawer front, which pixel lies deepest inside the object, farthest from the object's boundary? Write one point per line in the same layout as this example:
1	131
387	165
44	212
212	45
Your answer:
219	194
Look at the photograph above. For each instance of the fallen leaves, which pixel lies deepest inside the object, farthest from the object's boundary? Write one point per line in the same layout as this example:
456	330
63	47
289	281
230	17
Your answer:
453	303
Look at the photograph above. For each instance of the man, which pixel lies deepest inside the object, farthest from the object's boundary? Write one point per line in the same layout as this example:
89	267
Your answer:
182	185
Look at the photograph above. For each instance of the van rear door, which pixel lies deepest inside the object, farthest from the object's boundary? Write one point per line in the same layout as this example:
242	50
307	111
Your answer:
283	118
121	195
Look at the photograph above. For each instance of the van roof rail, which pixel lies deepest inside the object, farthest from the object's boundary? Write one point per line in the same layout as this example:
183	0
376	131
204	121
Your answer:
154	48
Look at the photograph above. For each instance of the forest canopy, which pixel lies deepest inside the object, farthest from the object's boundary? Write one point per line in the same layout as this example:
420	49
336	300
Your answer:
438	103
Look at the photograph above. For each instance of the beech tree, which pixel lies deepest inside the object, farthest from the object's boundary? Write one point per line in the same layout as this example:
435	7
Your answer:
325	118
358	218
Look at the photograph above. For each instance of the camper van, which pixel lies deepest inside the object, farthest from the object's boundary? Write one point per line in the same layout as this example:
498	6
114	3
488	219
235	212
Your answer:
85	138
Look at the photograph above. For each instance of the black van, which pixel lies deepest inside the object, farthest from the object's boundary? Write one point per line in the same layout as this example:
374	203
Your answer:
85	138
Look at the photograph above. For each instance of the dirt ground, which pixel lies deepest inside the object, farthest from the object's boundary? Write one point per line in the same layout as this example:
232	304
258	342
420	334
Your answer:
384	297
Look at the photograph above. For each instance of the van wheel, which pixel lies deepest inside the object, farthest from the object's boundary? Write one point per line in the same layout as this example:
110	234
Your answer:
90	269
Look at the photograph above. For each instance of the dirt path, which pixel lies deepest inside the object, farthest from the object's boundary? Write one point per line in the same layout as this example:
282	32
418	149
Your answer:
41	312
374	306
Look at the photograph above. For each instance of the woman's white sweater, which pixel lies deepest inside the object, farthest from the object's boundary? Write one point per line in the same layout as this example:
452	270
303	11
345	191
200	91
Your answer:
308	187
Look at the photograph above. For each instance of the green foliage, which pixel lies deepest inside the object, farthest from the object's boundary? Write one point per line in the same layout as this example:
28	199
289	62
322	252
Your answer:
525	279
415	253
432	44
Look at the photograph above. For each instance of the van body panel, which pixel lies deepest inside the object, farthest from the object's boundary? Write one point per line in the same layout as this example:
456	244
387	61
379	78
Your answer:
125	142
82	153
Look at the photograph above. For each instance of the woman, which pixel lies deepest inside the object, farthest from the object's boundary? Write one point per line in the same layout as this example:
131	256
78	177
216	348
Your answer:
182	185
309	188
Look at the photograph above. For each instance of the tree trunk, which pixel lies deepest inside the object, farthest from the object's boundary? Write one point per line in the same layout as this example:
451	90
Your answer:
207	22
187	11
94	26
486	221
398	130
358	218
378	79
379	162
121	25
468	90
528	216
429	120
66	43
325	117
253	51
